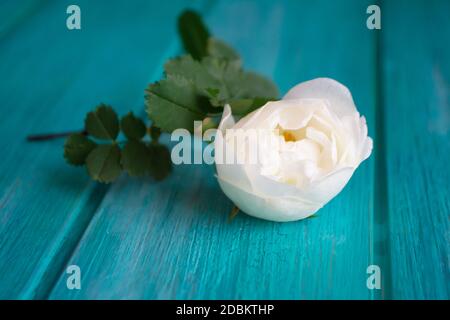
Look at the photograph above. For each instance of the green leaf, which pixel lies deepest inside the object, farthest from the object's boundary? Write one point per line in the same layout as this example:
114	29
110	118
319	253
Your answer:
255	85
195	89
228	82
194	71
211	76
136	158
160	164
214	78
244	91
77	148
172	103
103	163
133	127
222	70
213	92
236	84
193	33
154	132
219	49
245	106
102	123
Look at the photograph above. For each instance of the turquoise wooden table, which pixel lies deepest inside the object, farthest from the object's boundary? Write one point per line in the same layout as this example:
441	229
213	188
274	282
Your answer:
138	239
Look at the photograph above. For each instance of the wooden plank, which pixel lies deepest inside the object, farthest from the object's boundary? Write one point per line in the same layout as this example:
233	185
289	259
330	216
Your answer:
14	13
53	77
415	86
172	240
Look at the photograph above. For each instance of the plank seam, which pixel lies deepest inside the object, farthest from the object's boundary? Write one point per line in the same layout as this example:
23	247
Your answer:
172	49
33	9
45	275
381	254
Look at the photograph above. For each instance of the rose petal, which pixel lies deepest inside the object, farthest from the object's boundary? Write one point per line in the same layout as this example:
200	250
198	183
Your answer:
268	208
227	120
232	172
340	98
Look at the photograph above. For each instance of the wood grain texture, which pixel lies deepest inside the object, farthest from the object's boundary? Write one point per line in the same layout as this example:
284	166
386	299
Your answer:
415	96
171	240
53	77
13	13
139	239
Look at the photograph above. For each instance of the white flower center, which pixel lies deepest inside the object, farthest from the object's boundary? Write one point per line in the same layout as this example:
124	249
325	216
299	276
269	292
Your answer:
303	154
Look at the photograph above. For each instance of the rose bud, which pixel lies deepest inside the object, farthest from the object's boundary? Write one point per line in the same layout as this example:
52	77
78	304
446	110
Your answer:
307	147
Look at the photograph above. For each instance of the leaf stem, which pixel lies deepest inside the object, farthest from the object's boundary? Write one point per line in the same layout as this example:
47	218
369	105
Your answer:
51	136
233	213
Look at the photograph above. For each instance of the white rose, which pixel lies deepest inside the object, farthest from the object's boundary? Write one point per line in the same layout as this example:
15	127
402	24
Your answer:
321	141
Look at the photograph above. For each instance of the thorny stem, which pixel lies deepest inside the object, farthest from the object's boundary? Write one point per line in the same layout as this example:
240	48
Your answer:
51	136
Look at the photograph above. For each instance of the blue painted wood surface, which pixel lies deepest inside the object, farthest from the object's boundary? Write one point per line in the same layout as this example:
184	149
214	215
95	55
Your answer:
415	99
141	239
